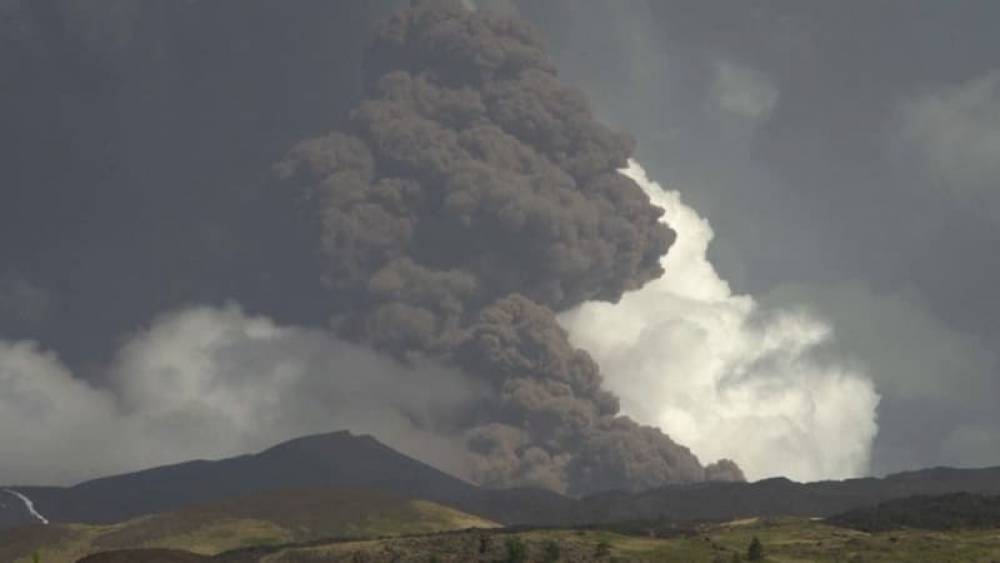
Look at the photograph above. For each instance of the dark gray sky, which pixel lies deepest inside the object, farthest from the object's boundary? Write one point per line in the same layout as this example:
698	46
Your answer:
136	139
846	154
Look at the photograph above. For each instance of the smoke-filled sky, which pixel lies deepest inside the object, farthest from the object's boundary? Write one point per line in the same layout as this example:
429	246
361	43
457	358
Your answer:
827	309
845	155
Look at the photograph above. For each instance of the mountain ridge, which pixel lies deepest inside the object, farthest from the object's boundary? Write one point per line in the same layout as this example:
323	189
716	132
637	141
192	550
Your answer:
337	459
344	460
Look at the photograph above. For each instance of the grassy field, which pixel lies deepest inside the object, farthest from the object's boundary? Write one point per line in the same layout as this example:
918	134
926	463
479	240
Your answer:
272	519
784	540
418	534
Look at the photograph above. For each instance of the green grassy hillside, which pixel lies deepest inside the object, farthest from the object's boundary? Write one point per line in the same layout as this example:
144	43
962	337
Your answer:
268	519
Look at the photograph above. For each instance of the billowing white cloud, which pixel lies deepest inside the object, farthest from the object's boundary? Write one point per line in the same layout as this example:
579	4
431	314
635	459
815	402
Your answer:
956	131
208	383
722	376
936	381
50	420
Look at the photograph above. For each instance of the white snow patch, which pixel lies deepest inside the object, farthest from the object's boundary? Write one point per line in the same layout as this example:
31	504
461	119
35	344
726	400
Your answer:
29	504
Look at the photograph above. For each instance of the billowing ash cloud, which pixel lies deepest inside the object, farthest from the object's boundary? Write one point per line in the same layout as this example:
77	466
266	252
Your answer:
471	198
723	376
204	383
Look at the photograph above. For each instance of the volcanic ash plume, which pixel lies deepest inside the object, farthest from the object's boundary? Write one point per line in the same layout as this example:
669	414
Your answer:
471	198
712	369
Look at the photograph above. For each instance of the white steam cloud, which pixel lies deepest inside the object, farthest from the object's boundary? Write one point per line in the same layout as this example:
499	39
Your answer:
722	376
208	383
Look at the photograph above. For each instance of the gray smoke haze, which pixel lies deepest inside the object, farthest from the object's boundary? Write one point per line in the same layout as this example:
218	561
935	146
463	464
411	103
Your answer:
471	197
21	302
954	132
136	139
204	383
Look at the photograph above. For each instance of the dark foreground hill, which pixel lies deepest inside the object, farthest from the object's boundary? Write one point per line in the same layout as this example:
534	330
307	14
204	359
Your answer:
344	461
943	512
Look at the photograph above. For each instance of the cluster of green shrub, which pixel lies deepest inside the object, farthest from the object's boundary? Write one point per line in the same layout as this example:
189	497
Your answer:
944	512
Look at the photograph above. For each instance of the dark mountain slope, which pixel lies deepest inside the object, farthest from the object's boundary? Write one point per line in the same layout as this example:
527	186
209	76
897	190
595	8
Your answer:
338	460
344	461
942	512
782	497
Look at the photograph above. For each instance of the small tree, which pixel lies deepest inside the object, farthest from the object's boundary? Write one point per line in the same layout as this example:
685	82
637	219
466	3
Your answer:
516	551
551	552
756	551
36	557
603	549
